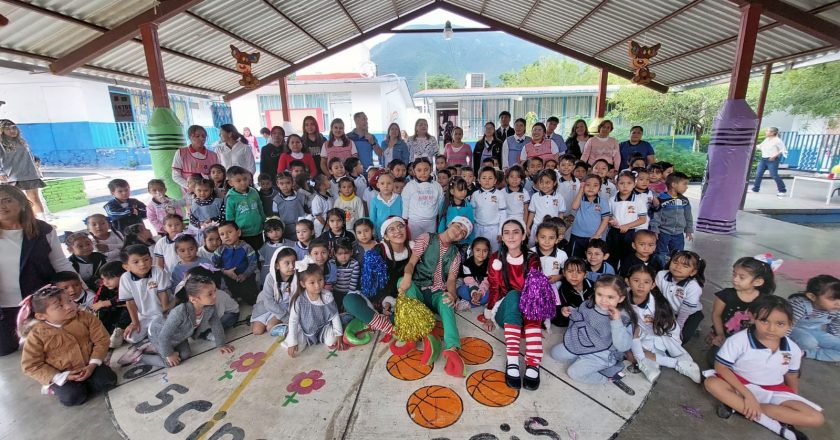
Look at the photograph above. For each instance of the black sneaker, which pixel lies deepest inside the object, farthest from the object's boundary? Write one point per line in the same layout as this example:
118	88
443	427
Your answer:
514	382
799	434
616	380
724	411
531	383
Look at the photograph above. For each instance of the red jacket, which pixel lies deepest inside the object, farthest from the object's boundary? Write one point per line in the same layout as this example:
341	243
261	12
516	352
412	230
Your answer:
516	277
286	159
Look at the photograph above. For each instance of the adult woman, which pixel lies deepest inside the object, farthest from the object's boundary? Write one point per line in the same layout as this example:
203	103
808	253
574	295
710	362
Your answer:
377	309
251	140
540	146
234	149
313	140
394	146
17	165
270	154
602	146
194	158
636	146
487	146
31	256
578	138
422	144
772	150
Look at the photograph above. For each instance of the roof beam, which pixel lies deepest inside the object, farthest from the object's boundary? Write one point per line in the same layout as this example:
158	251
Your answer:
795	18
119	35
349	17
380	29
299	27
516	32
528	15
584	18
733	38
235	36
650	26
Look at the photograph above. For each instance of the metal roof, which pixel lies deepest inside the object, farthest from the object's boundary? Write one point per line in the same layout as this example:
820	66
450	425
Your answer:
698	37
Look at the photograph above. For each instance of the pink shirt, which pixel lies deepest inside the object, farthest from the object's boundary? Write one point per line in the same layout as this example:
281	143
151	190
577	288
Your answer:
460	157
339	149
602	148
545	150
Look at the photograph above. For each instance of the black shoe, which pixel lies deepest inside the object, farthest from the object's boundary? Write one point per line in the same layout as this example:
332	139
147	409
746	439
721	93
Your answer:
514	382
724	411
799	434
616	380
531	383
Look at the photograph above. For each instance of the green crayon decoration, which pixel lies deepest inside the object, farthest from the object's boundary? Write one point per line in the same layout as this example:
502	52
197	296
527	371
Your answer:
166	136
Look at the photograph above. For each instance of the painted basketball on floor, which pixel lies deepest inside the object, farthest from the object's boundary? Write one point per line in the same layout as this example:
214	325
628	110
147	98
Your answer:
438	330
475	351
408	366
488	388
434	407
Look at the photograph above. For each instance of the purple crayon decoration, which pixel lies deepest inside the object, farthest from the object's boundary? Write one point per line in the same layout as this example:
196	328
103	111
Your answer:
730	147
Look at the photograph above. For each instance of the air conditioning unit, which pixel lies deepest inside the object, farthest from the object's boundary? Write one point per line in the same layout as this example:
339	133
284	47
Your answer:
475	80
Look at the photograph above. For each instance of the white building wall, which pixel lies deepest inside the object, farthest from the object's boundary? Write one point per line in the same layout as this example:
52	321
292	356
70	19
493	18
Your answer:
40	98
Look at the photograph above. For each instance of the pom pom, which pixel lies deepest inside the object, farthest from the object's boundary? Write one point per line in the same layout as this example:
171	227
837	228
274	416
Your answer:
497	264
412	319
537	302
375	275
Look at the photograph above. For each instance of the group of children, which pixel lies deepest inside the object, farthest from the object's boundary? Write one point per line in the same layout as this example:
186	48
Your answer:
607	244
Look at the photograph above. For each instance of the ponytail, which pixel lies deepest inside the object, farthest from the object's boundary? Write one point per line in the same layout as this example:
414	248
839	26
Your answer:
192	286
35	303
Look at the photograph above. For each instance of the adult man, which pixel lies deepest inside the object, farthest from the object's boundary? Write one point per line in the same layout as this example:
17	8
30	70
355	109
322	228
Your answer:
270	154
551	125
366	143
505	130
430	277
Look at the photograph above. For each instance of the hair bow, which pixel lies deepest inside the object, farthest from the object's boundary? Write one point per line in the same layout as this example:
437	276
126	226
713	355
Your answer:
303	264
209	266
772	261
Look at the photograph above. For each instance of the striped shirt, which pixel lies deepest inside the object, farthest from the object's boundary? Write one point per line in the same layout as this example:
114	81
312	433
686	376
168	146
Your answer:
805	315
347	277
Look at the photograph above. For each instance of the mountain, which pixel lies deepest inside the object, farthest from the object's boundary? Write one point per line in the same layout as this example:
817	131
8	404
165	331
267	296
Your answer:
492	53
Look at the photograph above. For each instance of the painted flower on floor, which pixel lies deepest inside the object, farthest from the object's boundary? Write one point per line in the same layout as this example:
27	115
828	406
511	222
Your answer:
304	383
248	361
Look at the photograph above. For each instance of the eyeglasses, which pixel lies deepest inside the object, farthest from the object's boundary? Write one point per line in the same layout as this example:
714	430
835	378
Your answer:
395	227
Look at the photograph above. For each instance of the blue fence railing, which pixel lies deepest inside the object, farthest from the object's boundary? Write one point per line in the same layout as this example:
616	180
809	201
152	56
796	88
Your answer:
812	152
133	135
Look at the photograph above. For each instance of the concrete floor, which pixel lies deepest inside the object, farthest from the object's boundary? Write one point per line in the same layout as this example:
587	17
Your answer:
31	415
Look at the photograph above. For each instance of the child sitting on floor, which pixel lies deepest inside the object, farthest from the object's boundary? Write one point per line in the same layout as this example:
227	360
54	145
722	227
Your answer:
816	318
72	284
272	306
473	285
64	347
238	263
107	305
85	261
144	288
104	239
187	250
314	317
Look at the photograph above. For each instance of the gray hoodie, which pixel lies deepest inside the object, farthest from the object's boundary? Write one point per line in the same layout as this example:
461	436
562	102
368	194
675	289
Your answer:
166	333
274	298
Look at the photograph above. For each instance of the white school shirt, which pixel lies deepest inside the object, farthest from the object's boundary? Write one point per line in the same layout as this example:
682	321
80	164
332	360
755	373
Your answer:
747	357
683	295
165	248
552	264
320	206
647	197
626	211
239	155
422	200
568	189
608	190
144	291
546	204
489	207
515	202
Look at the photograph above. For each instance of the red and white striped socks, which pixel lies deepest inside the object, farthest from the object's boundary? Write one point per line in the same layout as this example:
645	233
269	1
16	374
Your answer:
513	334
382	323
533	344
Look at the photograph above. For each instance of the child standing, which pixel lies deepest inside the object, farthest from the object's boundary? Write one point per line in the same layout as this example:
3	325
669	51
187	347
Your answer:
165	255
161	205
197	311
206	208
644	245
568	184
602	169
104	239
353	167
296	153
597	254
643	190
288	204
187	250
314	317
657	181
551	257
243	206
274	240
757	373
322	203
267	193
85	261
672	218
628	212
816	318
474	287
218	176
145	290
545	203
506	275
682	285
457	152
65	347
386	203
455	204
123	210
658	343
750	279
238	263
574	290
272	306
422	198
489	205
516	198
304	231
349	202
599	333
347	270
338	146
592	214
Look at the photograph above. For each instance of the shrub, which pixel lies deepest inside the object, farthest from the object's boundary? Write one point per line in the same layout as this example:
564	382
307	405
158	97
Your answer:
688	162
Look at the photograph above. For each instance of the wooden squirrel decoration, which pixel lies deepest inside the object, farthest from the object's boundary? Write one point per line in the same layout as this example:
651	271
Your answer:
640	59
243	65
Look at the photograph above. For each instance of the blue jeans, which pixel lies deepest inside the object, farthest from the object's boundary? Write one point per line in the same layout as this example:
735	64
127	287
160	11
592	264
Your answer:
666	244
465	293
817	344
773	166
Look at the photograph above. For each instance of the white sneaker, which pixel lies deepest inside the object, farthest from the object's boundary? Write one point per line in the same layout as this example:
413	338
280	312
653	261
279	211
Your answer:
650	369
117	338
462	305
781	195
689	369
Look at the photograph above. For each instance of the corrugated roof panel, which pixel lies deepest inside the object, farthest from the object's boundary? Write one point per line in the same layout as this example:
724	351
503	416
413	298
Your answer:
193	37
369	14
506	11
784	39
127	57
323	19
107	13
196	74
807	5
474	5
609	22
32	32
697	65
832	15
406	6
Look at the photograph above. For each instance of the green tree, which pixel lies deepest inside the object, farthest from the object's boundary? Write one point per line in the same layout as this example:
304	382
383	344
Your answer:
553	71
811	91
439	81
